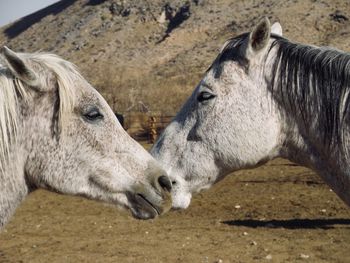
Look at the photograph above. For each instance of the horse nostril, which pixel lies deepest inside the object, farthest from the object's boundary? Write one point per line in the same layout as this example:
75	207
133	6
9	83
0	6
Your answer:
164	182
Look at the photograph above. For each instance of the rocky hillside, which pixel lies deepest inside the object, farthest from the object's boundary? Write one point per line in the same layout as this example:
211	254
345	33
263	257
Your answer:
155	51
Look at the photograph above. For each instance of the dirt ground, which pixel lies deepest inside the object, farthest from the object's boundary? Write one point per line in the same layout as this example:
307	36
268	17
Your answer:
279	212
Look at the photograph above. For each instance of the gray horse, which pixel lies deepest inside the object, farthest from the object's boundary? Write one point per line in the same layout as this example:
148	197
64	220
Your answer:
263	97
58	133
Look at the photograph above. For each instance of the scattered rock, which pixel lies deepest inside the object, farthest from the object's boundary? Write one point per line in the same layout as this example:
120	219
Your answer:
115	8
162	18
78	45
167	14
337	16
304	256
198	2
180	16
126	12
119	9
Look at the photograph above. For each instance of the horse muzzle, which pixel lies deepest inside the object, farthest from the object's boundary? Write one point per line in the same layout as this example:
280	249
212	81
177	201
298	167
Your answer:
152	201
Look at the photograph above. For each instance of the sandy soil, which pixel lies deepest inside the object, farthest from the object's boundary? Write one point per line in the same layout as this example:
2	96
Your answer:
276	213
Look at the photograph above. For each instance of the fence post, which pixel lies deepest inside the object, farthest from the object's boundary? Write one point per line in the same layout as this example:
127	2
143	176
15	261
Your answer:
152	129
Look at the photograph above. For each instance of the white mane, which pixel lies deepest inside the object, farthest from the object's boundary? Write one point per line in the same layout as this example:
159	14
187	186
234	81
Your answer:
12	89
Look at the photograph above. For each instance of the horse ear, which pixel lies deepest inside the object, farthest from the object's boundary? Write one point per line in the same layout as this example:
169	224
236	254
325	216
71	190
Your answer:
276	29
19	68
259	37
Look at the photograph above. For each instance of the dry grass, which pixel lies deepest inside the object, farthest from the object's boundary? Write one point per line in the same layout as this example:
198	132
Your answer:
125	87
123	58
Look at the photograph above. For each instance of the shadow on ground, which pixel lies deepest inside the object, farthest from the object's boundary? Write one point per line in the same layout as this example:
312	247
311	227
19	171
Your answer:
292	223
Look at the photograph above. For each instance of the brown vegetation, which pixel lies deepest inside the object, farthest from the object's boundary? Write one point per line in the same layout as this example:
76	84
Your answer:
131	53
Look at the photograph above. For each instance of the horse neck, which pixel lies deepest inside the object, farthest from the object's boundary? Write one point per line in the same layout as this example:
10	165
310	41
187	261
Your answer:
305	145
332	168
13	190
13	186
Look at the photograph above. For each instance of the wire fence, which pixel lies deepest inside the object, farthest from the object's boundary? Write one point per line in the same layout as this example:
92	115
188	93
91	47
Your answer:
144	126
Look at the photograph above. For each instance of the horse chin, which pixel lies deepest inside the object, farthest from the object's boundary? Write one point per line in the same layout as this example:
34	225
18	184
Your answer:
181	200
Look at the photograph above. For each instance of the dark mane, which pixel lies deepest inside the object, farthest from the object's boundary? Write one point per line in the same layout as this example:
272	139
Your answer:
313	82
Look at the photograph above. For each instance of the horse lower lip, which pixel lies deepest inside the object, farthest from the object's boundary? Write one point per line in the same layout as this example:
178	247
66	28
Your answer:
144	200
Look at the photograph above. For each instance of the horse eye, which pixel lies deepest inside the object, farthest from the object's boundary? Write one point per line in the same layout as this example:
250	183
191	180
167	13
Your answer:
93	115
204	95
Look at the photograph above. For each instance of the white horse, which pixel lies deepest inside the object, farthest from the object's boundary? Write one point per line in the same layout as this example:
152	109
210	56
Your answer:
58	133
263	97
